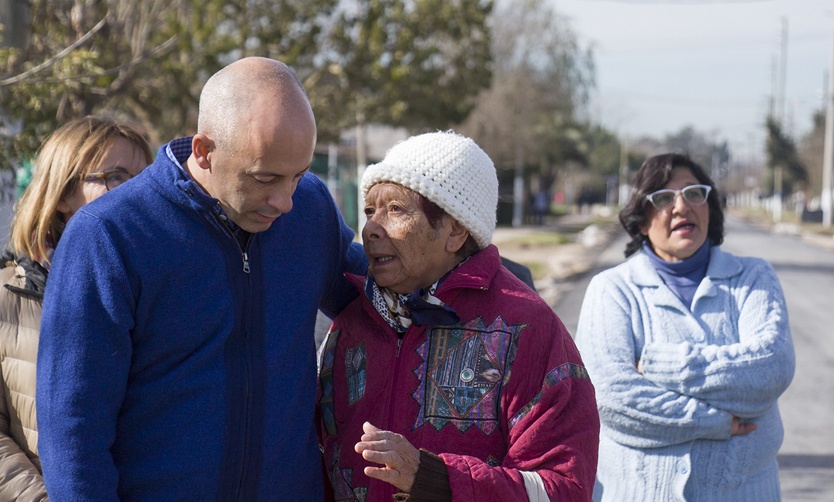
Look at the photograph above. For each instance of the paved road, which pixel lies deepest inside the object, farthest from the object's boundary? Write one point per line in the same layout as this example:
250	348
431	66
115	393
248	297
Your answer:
807	275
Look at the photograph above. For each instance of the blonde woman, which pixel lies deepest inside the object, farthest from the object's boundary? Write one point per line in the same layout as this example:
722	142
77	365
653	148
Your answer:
78	163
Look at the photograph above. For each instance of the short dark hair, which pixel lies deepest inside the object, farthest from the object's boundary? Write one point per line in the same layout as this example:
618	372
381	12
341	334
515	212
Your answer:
434	214
653	175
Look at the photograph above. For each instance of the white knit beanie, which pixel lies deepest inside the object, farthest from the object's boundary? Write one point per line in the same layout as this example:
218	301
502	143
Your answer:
449	170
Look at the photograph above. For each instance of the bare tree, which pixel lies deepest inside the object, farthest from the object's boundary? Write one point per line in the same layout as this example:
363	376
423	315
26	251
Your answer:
532	116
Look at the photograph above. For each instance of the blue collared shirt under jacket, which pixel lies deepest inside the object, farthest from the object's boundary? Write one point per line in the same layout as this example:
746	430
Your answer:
173	366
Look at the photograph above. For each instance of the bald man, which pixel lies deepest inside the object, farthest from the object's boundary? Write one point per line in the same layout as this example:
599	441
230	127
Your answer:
177	351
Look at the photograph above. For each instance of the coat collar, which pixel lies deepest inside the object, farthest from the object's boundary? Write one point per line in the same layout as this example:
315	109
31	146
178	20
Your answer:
167	171
476	273
722	266
33	273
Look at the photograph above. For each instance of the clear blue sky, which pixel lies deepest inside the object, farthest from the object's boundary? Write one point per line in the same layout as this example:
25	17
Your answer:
664	64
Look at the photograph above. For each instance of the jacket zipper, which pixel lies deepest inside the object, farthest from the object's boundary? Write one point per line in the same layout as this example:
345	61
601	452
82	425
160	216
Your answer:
243	463
246	261
394	382
244	251
246	269
389	426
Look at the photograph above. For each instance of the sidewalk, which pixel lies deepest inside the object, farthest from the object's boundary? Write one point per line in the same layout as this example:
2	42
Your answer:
568	246
804	231
815	239
558	252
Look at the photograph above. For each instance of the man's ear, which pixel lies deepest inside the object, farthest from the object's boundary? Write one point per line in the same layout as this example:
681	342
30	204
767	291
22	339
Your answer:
457	237
202	148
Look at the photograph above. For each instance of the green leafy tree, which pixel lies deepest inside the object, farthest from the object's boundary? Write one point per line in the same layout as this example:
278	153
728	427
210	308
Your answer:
216	33
404	63
811	152
144	60
783	161
79	58
603	151
603	164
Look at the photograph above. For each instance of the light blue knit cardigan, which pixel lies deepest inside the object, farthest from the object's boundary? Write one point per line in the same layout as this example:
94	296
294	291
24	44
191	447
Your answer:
666	433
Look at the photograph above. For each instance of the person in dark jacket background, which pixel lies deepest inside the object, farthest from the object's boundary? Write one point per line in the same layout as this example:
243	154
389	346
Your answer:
177	359
79	162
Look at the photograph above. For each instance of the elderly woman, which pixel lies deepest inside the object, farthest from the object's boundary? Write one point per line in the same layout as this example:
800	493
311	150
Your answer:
449	379
79	162
689	347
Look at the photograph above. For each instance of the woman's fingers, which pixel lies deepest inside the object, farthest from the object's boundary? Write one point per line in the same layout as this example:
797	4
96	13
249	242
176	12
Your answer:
399	460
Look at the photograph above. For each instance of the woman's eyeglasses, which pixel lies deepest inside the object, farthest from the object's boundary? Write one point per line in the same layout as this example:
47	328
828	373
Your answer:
694	195
111	178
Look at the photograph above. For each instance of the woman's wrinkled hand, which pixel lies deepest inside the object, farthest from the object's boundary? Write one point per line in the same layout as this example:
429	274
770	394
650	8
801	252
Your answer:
741	428
399	458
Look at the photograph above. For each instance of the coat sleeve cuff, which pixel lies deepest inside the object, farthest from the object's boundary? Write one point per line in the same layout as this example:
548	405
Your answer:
431	484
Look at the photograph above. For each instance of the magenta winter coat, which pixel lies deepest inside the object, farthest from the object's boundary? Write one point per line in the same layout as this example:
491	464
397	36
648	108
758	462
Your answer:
500	397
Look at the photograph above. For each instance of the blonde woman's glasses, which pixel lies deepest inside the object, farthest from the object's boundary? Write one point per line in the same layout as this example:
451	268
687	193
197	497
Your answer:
111	178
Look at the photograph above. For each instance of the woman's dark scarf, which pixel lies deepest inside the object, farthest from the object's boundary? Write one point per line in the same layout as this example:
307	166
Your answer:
35	274
420	307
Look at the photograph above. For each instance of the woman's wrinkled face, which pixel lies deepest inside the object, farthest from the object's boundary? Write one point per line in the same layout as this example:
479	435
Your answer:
122	155
404	252
678	232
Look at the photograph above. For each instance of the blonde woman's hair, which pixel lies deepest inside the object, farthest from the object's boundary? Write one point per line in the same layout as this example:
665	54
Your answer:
71	151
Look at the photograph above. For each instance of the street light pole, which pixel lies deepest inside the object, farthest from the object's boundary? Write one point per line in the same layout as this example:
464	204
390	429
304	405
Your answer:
623	194
828	151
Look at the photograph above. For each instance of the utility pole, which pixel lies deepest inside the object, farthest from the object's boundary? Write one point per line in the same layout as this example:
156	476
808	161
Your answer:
361	164
625	188
828	151
332	168
780	118
783	71
518	186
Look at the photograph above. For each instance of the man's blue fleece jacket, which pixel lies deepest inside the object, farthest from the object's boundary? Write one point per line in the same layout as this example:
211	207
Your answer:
166	370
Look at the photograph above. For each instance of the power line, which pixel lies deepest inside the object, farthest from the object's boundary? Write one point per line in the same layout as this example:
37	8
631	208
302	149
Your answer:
678	2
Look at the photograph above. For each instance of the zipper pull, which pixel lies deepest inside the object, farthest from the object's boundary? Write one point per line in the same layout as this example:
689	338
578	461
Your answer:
246	262
399	345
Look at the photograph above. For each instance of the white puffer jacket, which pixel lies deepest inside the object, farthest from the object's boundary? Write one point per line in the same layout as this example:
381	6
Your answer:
20	320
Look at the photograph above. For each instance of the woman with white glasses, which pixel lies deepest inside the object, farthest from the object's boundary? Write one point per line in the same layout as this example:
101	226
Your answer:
689	349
